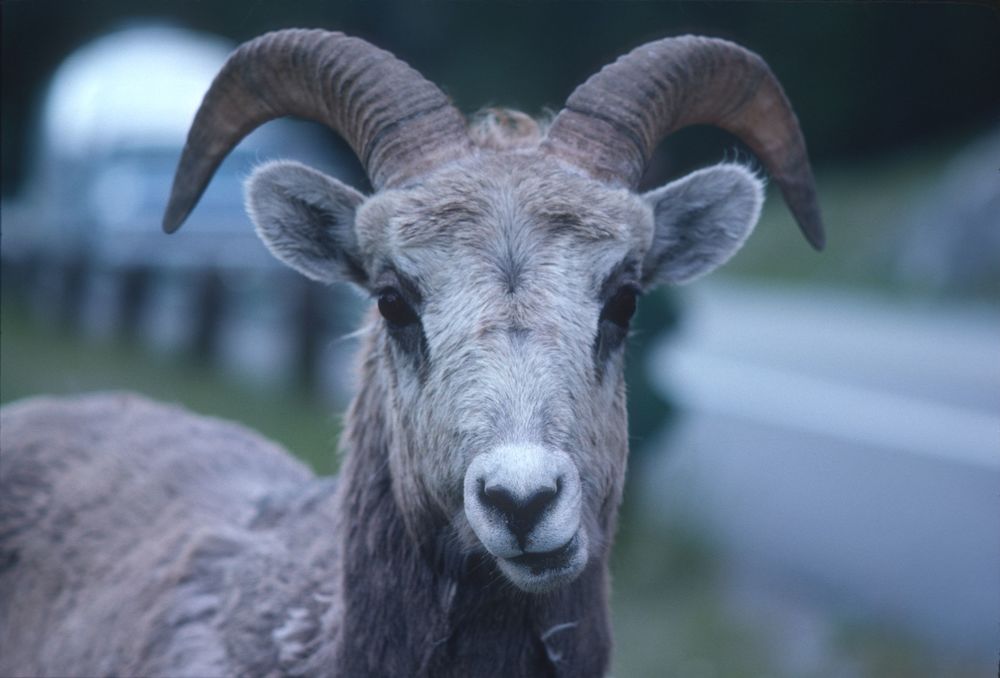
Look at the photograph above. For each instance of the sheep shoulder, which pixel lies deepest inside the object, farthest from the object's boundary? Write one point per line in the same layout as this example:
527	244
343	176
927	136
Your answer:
141	536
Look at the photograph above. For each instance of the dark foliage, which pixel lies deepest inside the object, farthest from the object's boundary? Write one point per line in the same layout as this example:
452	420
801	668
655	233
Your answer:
864	77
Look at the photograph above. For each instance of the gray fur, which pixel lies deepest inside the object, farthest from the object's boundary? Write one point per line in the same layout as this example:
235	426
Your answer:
307	220
702	220
140	539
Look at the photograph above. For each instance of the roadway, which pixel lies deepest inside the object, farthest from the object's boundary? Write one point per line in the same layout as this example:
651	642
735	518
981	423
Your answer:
843	450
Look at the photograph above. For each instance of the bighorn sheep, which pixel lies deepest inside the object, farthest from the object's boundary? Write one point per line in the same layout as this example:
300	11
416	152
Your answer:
484	455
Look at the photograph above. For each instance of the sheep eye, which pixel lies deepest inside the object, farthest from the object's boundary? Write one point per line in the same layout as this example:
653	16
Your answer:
395	310
621	307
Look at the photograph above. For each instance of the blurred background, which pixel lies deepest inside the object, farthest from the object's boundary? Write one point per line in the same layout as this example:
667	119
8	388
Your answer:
815	481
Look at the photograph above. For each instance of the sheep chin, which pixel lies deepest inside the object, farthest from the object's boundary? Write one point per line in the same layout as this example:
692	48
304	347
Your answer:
543	572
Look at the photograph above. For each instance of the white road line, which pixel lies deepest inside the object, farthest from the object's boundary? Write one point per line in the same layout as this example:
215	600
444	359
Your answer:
846	411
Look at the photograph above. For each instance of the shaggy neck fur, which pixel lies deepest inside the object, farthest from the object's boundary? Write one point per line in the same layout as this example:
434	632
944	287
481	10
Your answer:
412	609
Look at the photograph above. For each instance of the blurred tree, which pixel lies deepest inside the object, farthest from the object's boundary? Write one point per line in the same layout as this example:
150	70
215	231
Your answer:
864	77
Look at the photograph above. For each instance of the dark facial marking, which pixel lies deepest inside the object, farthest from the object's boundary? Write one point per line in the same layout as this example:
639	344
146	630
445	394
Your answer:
518	334
619	291
625	271
511	269
399	302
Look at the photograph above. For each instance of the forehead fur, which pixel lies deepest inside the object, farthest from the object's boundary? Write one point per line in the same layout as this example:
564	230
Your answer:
494	195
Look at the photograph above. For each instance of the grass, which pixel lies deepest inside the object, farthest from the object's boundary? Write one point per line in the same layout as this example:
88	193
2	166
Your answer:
864	206
36	358
669	617
675	614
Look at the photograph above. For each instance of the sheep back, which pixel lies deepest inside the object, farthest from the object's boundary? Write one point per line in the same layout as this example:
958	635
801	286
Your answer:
138	538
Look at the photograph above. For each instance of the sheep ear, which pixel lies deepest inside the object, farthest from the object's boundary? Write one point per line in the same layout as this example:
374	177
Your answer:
700	222
306	219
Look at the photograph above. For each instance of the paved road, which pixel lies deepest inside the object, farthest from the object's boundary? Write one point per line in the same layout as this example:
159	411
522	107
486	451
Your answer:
846	448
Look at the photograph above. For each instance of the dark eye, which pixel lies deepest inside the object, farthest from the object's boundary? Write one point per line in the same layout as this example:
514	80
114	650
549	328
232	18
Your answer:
395	310
621	307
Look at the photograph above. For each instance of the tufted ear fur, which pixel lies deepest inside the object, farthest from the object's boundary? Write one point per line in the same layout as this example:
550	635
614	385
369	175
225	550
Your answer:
700	222
306	219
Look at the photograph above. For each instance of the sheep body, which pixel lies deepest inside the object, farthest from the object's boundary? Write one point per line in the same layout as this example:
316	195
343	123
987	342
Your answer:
138	538
99	488
484	454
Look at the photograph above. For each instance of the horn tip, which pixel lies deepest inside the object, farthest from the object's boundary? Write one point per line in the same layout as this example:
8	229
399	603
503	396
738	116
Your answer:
815	234
811	224
174	218
800	196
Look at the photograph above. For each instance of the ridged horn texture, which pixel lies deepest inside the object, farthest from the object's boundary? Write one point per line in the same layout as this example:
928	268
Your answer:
398	123
612	123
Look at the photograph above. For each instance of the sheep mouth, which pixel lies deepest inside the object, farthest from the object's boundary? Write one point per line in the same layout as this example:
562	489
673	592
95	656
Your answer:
537	563
540	572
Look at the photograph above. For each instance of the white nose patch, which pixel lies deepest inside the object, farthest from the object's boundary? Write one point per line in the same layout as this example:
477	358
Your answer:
523	499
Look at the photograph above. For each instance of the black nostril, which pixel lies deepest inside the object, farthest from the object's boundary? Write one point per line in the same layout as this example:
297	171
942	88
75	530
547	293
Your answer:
499	498
536	503
520	513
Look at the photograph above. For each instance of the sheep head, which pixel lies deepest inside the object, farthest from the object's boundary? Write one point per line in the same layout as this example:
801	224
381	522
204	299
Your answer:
506	261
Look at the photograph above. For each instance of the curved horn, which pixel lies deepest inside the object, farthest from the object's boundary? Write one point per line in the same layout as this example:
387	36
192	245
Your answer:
398	123
612	123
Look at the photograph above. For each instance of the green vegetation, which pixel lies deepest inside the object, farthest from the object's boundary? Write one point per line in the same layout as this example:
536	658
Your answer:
669	617
36	359
864	77
675	614
864	209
